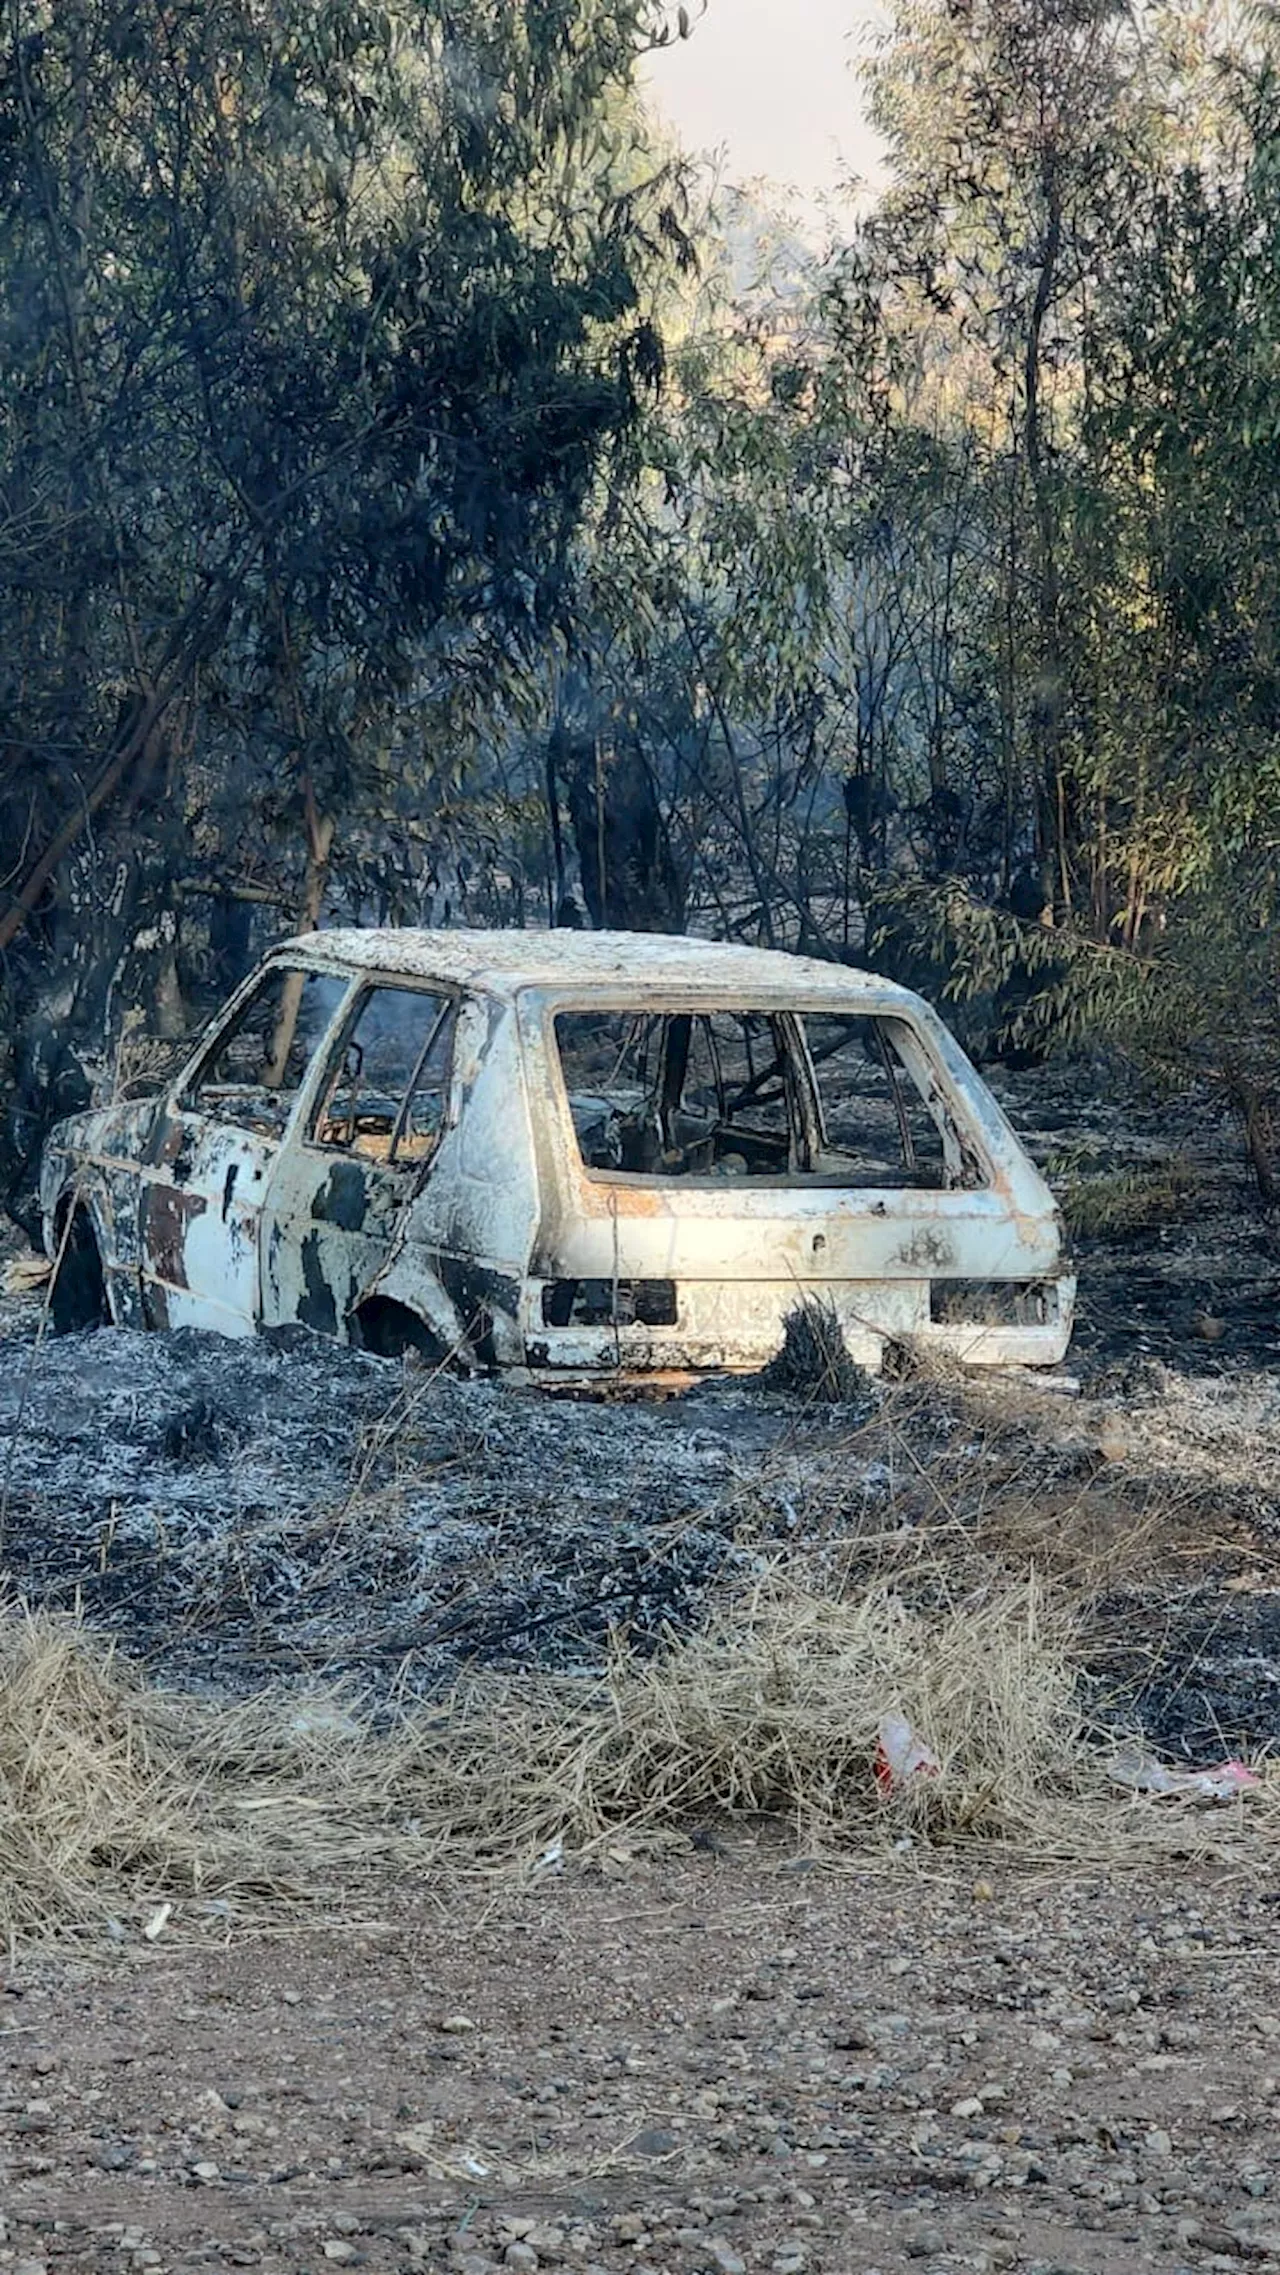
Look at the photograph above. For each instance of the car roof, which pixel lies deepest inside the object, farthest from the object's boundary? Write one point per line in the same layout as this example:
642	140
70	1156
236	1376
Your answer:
605	964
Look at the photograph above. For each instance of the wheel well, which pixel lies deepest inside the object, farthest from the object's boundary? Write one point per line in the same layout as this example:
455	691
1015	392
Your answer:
390	1329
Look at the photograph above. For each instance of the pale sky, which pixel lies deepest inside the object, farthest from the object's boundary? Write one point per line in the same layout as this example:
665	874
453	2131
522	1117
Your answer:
769	86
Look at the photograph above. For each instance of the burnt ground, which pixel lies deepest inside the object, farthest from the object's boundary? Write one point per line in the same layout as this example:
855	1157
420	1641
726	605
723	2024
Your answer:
284	1508
1192	1279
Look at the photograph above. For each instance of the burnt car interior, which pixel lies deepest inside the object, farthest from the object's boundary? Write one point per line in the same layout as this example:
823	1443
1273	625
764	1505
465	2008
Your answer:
790	1096
388	1088
386	1093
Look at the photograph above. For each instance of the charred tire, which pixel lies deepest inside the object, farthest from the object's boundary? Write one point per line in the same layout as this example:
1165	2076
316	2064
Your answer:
392	1331
79	1296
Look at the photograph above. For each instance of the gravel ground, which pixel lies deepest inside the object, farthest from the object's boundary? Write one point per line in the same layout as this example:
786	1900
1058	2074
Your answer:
708	2066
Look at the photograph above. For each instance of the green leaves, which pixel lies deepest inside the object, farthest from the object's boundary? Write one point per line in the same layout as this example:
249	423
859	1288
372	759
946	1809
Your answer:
320	317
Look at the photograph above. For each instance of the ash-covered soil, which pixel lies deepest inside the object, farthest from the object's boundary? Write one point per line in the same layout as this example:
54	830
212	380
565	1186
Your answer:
238	1510
236	1513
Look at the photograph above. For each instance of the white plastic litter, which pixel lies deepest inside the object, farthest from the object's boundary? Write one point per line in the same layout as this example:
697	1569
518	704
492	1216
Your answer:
1222	1781
901	1756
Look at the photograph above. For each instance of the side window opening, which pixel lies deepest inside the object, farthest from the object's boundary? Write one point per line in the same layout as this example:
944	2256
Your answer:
255	1070
880	1127
794	1096
387	1096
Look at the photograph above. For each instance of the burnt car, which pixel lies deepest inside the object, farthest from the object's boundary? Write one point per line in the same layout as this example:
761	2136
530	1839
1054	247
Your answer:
564	1152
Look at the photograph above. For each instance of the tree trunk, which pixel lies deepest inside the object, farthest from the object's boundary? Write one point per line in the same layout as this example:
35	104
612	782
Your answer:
629	876
320	832
1052	792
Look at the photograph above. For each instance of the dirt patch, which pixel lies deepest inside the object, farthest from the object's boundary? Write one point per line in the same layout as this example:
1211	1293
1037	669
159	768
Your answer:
700	2067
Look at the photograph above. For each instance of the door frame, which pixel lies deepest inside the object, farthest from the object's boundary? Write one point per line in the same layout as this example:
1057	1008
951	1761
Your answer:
318	1163
233	1166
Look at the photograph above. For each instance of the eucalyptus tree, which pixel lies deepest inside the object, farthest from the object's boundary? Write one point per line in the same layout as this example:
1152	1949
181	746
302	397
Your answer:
317	319
1012	126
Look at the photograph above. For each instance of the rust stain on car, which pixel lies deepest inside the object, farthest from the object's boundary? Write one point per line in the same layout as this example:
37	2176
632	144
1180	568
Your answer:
170	1214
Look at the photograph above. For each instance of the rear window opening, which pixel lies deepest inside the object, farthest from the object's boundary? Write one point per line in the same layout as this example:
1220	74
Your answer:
796	1097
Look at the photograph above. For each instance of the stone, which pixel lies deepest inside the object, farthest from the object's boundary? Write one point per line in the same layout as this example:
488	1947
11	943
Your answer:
547	2241
724	2259
655	2142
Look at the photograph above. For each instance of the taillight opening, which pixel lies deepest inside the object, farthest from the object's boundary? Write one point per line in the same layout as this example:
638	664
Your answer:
993	1303
609	1303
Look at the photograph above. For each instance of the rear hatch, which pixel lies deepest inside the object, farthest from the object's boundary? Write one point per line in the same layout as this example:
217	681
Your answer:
705	1168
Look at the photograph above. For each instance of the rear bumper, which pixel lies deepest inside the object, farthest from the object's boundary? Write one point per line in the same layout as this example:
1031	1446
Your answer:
738	1326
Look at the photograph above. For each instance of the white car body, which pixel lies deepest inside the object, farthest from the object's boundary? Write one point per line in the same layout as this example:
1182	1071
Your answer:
666	1219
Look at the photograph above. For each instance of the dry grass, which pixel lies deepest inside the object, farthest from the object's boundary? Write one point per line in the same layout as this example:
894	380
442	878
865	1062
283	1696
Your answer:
1100	1205
142	1063
114	1796
25	1275
774	1711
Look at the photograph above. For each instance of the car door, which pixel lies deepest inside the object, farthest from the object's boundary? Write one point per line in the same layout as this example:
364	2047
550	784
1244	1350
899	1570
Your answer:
215	1146
364	1144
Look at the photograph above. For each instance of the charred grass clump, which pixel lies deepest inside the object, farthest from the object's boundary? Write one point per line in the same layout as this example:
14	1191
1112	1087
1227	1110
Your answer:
814	1362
